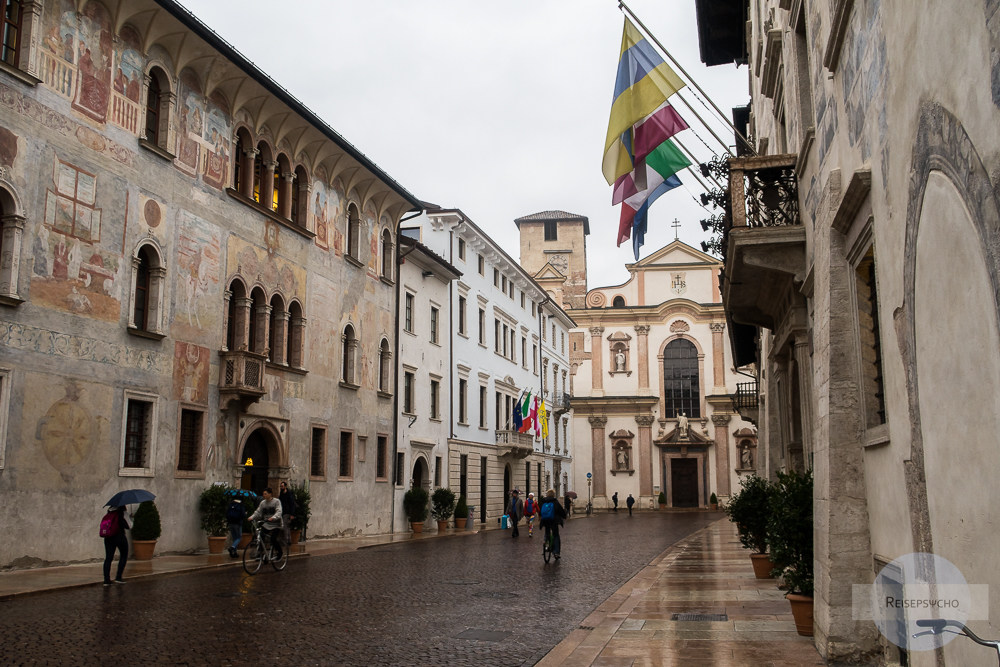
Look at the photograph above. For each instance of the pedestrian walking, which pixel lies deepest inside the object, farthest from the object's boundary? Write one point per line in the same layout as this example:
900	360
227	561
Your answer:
630	501
614	499
113	528
235	514
288	508
530	509
515	509
551	515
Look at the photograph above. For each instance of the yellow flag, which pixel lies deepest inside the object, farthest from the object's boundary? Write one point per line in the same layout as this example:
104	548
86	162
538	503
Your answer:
543	417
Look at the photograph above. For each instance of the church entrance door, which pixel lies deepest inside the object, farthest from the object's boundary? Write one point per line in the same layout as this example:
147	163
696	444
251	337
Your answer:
684	482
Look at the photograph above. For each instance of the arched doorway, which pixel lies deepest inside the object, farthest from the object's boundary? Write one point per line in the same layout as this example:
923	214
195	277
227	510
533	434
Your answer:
420	475
256	460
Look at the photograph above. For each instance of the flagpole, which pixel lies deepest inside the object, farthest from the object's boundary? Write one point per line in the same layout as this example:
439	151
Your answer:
725	119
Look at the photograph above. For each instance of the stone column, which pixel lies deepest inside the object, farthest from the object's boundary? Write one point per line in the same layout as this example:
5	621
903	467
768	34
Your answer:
12	229
297	332
803	362
645	455
227	298
597	360
598	458
718	357
267	185
285	199
279	345
241	337
642	339
31	25
721	421
247	172
302	219
261	322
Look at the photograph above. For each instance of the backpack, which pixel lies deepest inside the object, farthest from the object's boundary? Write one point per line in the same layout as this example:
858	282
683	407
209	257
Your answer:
529	507
547	511
109	524
235	513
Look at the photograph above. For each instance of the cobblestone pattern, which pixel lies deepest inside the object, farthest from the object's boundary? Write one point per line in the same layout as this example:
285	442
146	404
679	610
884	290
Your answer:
398	604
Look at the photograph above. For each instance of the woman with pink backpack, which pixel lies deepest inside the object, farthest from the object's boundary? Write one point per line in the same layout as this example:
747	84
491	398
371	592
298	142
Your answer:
530	510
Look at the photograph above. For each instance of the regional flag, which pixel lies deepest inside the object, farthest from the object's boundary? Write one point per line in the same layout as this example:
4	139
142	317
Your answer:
659	165
517	416
643	83
543	417
633	220
534	416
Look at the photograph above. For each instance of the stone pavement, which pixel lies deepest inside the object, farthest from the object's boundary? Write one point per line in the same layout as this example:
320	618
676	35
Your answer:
706	573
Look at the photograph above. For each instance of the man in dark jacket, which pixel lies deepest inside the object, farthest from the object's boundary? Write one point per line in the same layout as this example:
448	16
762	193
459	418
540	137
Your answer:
515	509
559	513
287	499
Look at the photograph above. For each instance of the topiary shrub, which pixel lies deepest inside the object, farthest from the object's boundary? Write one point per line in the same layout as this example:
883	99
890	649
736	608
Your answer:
749	508
790	530
302	510
442	503
146	522
461	508
212	506
662	498
415	504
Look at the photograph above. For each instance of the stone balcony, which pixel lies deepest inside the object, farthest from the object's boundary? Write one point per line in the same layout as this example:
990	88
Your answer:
514	444
241	376
746	401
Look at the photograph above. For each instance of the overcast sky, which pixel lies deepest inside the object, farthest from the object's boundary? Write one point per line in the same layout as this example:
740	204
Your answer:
497	108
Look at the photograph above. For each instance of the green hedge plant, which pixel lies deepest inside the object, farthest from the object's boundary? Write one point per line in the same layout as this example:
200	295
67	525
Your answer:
749	508
302	502
790	530
212	506
415	504
146	522
442	503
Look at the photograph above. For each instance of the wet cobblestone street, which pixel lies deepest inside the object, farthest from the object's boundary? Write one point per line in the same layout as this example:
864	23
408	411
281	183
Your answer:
483	599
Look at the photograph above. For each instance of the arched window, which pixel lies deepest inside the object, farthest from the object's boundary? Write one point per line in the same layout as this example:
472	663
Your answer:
261	171
384	366
299	197
353	232
681	392
258	322
11	234
244	164
148	278
618	302
296	337
277	327
281	197
350	341
236	318
387	257
153	109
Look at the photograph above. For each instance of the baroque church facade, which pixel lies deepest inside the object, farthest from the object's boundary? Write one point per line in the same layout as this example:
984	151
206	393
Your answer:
651	371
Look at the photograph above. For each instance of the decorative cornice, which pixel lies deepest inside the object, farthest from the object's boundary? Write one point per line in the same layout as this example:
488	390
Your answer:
721	418
597	422
645	420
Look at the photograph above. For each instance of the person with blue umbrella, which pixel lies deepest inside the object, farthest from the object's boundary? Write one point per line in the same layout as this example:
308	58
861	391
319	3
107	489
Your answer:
113	527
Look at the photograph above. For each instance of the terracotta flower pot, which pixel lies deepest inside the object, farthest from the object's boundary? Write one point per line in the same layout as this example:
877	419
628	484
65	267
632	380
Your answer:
442	526
296	535
802	612
460	524
216	544
143	549
245	540
417	526
762	566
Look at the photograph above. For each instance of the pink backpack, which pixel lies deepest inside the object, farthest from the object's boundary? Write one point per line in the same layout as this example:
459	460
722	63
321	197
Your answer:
109	524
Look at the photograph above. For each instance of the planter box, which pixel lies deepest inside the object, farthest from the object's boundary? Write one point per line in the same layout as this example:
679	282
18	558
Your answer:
417	527
802	612
460	524
143	549
216	544
442	526
762	566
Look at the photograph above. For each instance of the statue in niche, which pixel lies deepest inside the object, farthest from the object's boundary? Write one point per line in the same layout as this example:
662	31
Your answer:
746	458
682	425
622	459
619	360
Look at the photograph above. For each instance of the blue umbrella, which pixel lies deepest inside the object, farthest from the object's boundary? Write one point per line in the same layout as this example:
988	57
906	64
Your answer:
129	497
241	493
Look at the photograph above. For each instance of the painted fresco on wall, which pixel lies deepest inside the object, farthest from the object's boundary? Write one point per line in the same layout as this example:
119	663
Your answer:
152	212
257	265
199	256
215	144
126	85
191	364
337	220
71	271
191	114
94	52
319	212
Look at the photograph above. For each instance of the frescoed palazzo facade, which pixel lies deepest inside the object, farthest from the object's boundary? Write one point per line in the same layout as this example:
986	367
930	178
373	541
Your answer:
196	287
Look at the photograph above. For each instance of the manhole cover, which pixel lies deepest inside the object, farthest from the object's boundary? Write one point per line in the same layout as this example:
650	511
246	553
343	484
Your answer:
699	617
495	594
237	594
461	582
483	635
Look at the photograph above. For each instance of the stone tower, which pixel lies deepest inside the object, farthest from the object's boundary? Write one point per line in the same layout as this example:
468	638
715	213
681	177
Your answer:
554	252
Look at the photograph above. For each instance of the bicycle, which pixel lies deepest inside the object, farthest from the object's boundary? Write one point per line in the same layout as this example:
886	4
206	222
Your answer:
939	626
261	550
548	544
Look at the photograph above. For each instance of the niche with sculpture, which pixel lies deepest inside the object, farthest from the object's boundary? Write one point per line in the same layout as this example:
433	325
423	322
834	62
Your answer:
746	448
621	452
620	357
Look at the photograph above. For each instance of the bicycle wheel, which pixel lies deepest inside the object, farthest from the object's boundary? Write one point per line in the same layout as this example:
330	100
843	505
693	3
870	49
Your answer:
279	563
547	545
253	557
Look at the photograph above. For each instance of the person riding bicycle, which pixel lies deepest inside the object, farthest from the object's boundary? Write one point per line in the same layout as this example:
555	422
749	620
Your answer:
551	514
269	511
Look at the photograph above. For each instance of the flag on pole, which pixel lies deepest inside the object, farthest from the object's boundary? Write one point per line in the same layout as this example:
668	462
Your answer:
517	416
643	83
525	415
633	221
526	404
534	416
543	417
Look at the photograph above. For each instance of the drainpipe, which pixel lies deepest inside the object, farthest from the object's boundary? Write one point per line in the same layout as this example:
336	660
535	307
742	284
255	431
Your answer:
395	380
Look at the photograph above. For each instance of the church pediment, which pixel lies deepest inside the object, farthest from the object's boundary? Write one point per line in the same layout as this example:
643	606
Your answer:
549	272
679	437
676	252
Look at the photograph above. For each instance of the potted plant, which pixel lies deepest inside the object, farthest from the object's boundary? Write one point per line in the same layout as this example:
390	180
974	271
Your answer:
415	507
713	502
212	506
302	511
461	513
790	537
662	500
749	509
145	530
442	506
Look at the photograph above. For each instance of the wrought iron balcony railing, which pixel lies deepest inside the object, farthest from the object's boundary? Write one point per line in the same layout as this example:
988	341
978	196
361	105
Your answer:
763	192
560	402
745	397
